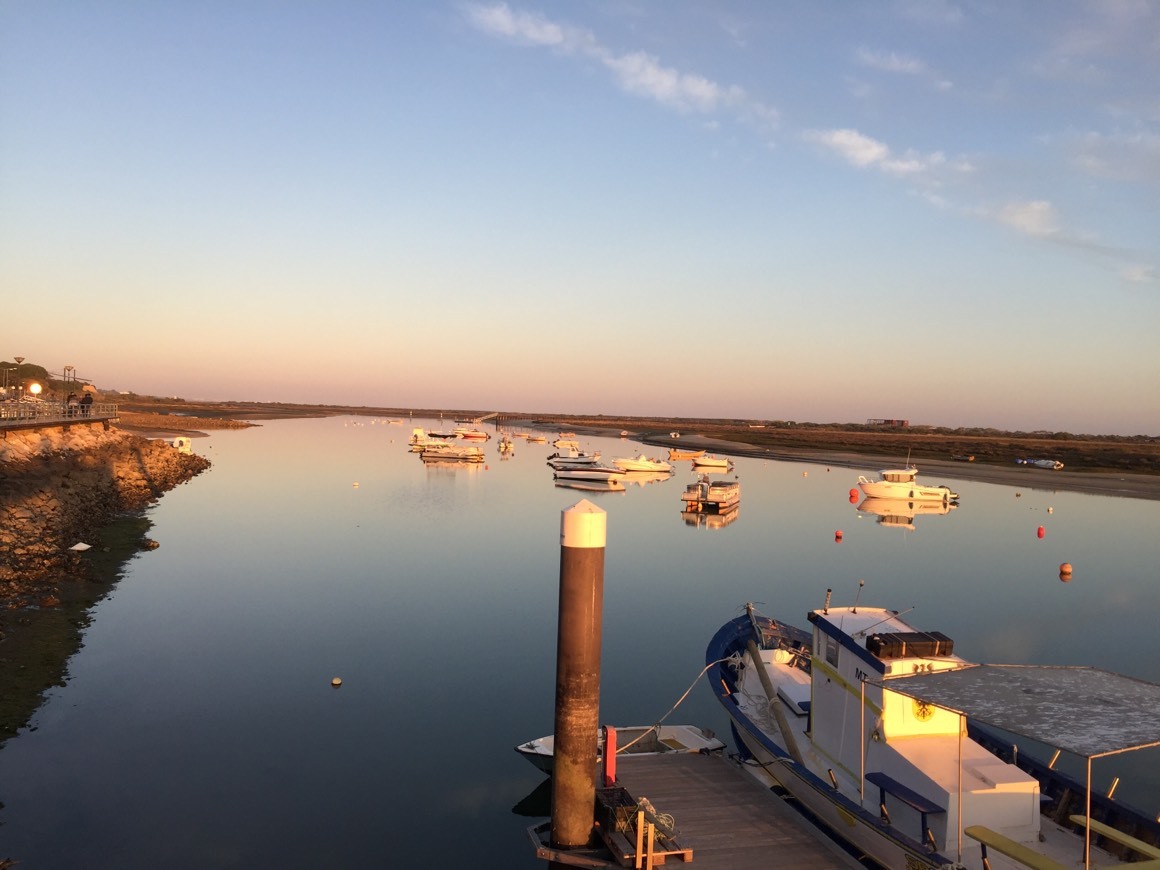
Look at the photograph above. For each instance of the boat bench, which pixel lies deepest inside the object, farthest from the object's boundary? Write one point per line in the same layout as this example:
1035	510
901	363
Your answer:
888	785
795	690
1110	833
1025	855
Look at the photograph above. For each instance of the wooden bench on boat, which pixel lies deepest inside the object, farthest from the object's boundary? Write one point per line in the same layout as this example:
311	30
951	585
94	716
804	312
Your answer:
888	785
1117	836
1025	855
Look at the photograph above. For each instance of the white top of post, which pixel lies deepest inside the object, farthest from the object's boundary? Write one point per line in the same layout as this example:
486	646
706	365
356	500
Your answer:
583	525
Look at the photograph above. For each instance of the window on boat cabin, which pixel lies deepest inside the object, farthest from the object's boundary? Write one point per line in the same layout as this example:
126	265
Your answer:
832	650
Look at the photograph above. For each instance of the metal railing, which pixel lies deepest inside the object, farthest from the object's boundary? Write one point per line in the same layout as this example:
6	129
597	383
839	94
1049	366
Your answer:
26	413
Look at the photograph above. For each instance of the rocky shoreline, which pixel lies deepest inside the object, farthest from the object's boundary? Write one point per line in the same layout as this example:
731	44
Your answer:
59	487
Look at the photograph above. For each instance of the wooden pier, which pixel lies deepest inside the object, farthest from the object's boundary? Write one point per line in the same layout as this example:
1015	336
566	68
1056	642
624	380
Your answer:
724	818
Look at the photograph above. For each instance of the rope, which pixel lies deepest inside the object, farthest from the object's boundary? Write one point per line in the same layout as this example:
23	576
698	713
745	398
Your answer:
657	724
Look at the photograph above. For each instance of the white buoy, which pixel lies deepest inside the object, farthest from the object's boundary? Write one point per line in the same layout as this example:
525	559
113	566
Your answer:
336	682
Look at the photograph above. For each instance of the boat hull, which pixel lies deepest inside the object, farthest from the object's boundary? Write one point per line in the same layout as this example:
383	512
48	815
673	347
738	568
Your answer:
906	492
843	816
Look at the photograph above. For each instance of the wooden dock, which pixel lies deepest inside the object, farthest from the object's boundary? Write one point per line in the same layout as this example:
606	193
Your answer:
724	817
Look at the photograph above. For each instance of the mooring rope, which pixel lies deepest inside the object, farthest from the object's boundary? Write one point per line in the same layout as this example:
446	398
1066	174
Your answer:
656	725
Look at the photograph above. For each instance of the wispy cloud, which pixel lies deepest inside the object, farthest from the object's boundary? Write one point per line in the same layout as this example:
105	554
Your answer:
1034	217
636	72
865	152
1124	157
891	62
1137	274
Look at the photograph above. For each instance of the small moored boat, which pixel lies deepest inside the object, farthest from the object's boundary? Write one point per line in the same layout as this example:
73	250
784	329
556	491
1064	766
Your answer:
708	460
632	740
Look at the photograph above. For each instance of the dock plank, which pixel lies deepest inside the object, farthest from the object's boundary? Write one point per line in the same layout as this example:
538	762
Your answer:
727	817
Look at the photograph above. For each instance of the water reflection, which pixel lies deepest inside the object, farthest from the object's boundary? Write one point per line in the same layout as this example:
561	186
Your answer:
203	690
896	513
701	520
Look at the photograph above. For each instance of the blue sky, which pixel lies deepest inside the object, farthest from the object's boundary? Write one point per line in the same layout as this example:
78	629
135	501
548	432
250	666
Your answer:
945	212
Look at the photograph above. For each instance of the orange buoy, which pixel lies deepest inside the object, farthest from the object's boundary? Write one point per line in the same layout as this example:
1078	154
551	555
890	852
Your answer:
853	493
838	536
1065	568
1040	532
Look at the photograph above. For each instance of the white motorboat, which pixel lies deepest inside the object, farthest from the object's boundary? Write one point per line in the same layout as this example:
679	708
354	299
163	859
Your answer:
631	740
471	433
588	472
572	457
710	462
902	483
887	738
641	462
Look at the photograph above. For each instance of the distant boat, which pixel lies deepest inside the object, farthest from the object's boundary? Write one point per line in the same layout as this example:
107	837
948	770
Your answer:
708	460
572	457
712	496
588	472
1050	464
678	453
447	452
641	463
902	483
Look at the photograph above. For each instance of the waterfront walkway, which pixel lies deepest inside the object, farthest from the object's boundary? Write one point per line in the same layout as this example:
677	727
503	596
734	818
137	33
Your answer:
724	818
33	415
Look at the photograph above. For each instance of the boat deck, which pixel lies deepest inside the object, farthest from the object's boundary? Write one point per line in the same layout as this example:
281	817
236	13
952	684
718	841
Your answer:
725	816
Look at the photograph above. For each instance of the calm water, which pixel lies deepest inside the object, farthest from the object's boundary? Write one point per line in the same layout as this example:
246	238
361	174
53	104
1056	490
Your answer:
199	729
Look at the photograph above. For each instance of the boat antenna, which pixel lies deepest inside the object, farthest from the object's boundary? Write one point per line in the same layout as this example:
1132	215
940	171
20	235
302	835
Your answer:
887	619
858	597
826	606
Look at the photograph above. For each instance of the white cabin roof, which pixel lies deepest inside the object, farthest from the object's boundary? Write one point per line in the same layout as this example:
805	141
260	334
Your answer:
1086	711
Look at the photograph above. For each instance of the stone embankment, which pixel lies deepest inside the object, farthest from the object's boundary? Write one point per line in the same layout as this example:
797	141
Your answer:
59	486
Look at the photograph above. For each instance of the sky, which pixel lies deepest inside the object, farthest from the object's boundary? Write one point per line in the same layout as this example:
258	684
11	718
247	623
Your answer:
946	212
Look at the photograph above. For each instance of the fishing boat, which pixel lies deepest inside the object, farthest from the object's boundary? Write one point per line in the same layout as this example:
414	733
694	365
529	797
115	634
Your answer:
677	453
536	438
902	483
588	472
640	462
631	740
889	739
711	496
711	462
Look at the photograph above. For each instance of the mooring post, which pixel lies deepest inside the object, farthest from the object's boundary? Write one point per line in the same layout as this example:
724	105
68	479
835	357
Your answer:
582	537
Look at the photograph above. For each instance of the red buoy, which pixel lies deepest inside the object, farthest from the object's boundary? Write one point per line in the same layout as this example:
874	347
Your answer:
838	536
853	493
1041	532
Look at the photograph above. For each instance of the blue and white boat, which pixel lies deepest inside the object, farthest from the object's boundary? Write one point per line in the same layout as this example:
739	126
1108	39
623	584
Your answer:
886	738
